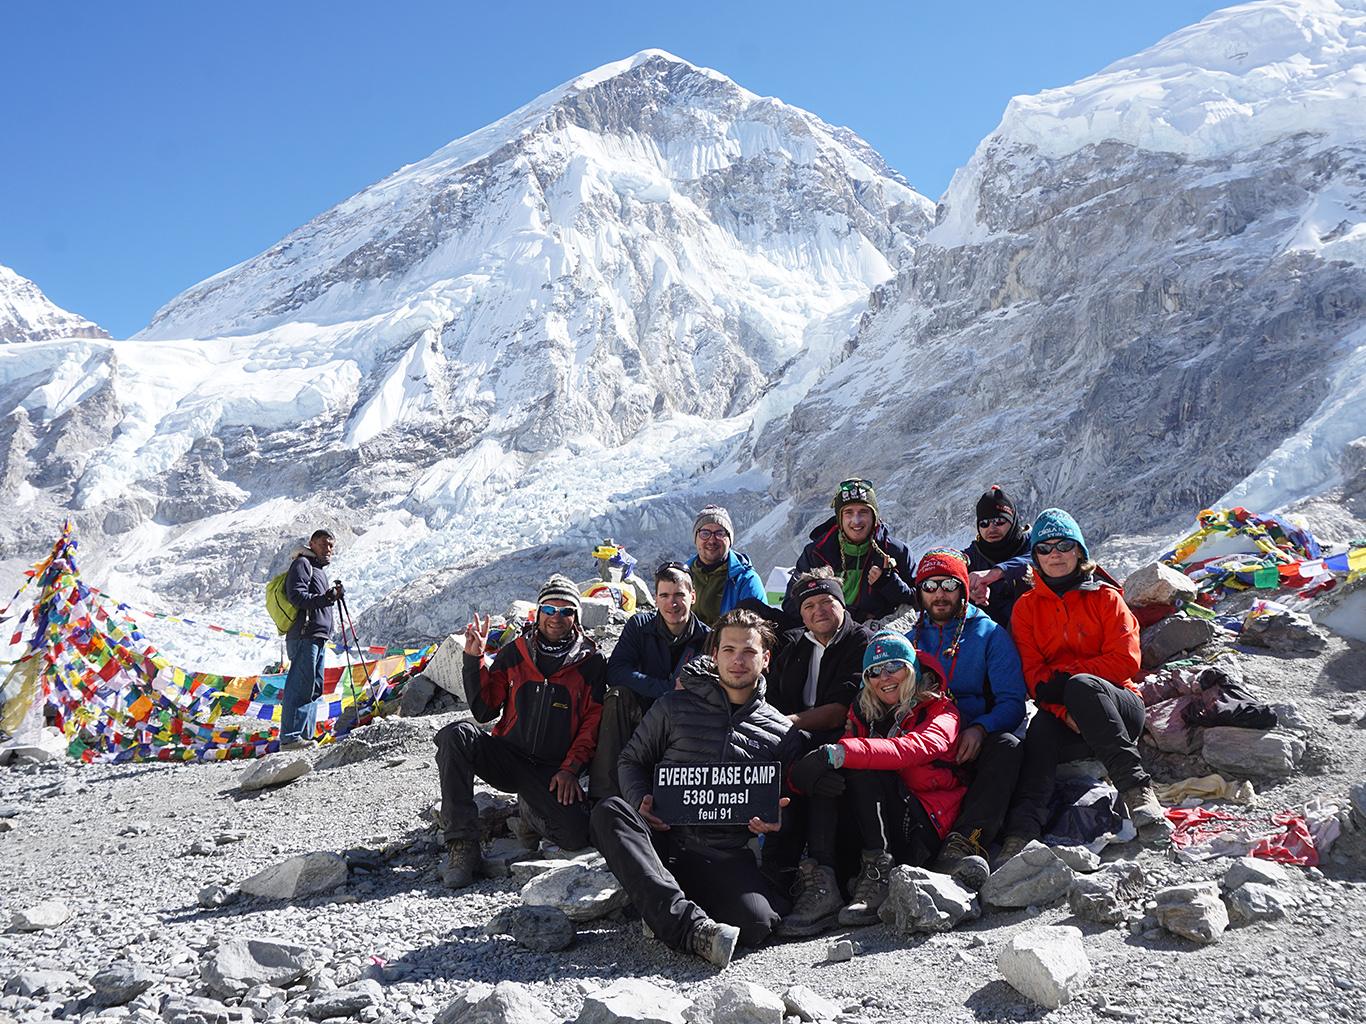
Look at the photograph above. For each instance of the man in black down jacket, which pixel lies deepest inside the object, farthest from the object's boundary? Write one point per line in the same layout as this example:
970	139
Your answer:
307	589
697	887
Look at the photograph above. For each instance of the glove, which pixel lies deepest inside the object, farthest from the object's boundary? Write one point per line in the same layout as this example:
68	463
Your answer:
341	591
1050	690
813	775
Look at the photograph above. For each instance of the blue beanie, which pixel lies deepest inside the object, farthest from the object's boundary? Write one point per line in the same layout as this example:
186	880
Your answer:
888	646
1055	524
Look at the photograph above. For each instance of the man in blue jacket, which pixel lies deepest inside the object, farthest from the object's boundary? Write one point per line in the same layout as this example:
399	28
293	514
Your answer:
653	649
306	588
722	578
986	682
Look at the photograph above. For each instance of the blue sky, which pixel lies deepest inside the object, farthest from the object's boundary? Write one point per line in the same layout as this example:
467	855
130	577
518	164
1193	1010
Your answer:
147	146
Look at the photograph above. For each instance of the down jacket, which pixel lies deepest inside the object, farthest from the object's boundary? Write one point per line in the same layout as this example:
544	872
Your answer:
696	725
920	750
984	677
1088	629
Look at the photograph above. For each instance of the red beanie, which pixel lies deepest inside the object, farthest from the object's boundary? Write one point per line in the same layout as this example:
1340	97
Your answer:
942	562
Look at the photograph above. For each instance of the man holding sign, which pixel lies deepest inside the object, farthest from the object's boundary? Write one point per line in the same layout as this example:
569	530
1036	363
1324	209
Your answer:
715	752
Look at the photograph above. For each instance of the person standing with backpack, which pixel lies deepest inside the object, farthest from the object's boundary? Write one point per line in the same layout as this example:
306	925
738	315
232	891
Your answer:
307	588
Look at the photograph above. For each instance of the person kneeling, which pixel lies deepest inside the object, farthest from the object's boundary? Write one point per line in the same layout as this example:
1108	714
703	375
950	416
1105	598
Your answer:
896	763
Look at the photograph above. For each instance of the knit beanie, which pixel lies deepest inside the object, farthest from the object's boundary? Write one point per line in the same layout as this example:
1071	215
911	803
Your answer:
854	492
561	588
830	586
888	646
713	514
942	562
1055	524
996	502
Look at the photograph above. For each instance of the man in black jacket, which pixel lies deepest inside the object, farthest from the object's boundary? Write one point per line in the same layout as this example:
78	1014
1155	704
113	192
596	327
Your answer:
697	887
999	565
307	588
653	649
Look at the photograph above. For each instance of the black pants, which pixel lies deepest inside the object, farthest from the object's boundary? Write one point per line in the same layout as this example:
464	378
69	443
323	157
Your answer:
1110	720
622	710
676	885
992	779
463	750
889	817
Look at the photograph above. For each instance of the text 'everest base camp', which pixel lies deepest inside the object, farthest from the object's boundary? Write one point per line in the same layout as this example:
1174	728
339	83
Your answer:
777	596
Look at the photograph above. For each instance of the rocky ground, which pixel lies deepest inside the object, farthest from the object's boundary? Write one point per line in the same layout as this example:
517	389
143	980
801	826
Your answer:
129	849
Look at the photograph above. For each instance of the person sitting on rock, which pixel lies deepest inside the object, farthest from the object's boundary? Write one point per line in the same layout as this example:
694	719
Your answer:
894	769
546	690
722	578
999	566
653	649
1078	643
874	570
986	684
698	887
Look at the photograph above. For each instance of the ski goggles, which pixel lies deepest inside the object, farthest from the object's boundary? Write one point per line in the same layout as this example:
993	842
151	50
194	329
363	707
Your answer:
1048	547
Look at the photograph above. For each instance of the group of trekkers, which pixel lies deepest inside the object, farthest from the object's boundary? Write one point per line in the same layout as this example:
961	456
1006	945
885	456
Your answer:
893	748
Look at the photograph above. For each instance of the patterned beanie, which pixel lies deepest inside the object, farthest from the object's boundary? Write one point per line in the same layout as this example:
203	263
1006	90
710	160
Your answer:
854	492
713	514
942	562
1055	524
561	588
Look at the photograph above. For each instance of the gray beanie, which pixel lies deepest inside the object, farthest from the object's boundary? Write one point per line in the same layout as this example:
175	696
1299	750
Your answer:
561	588
713	514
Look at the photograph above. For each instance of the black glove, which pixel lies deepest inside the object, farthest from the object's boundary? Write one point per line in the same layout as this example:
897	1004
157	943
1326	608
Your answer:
813	776
341	591
1050	690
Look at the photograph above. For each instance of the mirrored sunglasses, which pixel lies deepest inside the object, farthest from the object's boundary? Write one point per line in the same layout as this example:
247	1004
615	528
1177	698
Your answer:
887	667
982	524
552	610
947	586
1048	547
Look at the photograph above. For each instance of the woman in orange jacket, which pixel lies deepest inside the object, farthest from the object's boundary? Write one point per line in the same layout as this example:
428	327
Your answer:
1078	644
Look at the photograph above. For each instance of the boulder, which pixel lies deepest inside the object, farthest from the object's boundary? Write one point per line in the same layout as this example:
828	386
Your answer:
1078	858
1169	731
1357	794
1255	869
355	749
1194	911
1158	583
240	964
178	1009
744	1002
919	900
48	914
346	1001
598	611
523	871
1277	628
273	770
305	875
40	983
120	983
634	1001
804	1004
1105	896
215	896
508	1002
417	691
543	929
583	894
1254	901
1035	877
1251	753
1048	964
1170	637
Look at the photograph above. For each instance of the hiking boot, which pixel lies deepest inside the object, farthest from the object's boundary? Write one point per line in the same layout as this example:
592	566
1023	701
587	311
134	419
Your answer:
818	904
462	858
1144	808
1010	848
870	890
714	941
963	859
298	743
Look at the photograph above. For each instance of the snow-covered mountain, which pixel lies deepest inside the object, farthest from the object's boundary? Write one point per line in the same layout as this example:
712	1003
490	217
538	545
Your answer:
26	314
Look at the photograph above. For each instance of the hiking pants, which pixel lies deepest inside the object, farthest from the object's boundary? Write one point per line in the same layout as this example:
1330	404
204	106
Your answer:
992	778
888	815
463	750
1110	720
622	710
676	884
303	684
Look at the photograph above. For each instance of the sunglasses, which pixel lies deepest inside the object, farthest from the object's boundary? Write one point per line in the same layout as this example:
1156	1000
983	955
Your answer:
709	534
982	524
552	611
887	667
947	586
1057	545
665	566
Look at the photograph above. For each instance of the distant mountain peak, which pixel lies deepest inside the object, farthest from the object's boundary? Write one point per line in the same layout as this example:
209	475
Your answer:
26	314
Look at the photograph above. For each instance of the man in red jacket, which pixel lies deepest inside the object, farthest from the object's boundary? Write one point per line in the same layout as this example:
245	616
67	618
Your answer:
547	687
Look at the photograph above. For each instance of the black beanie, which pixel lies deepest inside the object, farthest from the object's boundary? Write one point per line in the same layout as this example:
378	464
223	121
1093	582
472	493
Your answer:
996	502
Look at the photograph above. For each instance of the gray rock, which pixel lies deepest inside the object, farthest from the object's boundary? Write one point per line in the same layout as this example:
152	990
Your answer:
1358	797
1173	636
583	894
1194	911
543	929
598	611
1169	731
806	1004
523	871
1048	965
39	983
1078	858
179	1009
239	964
48	914
508	1002
744	1002
1106	895
353	750
1255	869
1284	630
1251	752
919	900
215	896
634	1001
10	810
346	1001
119	983
1255	901
1158	583
274	770
841	951
501	854
304	875
417	691
1037	876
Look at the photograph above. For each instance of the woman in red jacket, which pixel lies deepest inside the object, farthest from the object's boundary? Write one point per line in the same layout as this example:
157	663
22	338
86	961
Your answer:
896	761
1078	644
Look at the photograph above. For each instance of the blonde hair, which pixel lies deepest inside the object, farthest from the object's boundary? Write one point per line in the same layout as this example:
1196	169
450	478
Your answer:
919	686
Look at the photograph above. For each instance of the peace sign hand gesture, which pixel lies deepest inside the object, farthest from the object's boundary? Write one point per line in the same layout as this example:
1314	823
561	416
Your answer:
477	637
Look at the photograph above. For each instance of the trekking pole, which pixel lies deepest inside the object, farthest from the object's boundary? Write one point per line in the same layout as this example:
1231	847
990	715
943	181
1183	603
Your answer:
346	612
